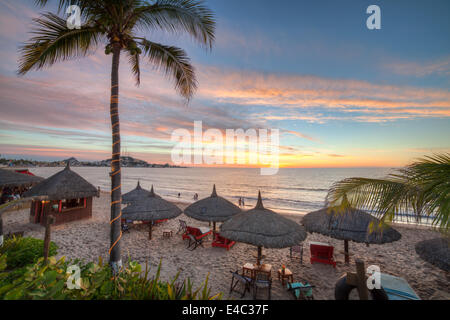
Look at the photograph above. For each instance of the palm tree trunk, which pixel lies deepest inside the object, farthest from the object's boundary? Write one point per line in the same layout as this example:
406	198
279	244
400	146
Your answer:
114	252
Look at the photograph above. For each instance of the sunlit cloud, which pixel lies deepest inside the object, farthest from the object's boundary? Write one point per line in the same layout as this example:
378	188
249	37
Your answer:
440	67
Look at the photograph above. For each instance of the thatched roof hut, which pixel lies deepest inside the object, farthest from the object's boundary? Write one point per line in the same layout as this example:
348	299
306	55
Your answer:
68	197
151	208
12	179
135	195
349	225
65	184
263	228
435	251
213	209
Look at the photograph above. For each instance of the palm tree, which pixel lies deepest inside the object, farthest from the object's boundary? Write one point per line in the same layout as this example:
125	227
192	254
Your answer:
423	187
118	25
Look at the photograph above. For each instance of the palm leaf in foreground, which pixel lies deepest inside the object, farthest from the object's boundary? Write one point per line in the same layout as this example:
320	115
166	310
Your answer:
422	188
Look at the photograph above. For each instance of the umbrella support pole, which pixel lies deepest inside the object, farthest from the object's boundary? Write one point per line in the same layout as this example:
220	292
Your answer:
258	259
214	227
150	230
347	257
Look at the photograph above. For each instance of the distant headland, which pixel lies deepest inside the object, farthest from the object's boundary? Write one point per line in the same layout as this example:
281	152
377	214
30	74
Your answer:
125	161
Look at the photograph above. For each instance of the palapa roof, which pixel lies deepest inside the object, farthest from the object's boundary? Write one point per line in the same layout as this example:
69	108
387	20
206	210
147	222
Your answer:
10	178
213	208
135	195
351	224
65	184
435	251
151	208
263	228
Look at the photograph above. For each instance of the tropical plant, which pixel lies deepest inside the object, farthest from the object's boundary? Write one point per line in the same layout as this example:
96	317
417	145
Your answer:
422	188
22	251
98	282
118	25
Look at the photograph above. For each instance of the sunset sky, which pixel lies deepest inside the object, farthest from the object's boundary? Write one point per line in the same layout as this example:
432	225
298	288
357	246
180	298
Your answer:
340	94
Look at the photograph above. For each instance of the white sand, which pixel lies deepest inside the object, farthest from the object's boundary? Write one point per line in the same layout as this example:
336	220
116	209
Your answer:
89	239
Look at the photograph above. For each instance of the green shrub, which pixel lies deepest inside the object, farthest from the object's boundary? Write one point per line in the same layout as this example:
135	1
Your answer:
49	281
22	251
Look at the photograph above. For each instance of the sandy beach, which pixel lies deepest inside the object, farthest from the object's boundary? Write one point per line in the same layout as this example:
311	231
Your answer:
89	239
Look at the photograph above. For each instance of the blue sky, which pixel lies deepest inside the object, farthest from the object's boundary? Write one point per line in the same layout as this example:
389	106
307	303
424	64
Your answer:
341	95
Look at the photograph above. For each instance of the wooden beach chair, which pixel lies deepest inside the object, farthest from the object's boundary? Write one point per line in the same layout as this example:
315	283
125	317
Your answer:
301	291
182	227
296	252
196	232
322	253
236	279
222	242
263	280
194	242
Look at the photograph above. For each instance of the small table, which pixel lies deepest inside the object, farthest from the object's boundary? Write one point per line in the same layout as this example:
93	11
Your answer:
287	275
167	233
251	269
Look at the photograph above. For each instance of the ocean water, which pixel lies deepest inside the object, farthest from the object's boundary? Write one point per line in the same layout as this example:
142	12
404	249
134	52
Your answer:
292	190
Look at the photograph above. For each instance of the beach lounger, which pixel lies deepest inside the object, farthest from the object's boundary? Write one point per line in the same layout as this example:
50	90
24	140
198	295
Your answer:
322	253
296	250
222	242
397	288
301	291
193	242
263	280
198	233
236	279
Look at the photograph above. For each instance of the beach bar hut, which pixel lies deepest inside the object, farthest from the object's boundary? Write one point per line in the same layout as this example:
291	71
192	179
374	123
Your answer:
150	208
435	251
262	227
349	225
212	209
68	198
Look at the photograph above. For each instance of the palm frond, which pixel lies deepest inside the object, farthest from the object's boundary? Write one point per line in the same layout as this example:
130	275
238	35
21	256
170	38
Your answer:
422	187
134	60
174	62
172	15
53	42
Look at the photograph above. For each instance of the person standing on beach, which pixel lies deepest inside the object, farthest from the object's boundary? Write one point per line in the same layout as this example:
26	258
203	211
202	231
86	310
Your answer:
243	203
179	195
240	201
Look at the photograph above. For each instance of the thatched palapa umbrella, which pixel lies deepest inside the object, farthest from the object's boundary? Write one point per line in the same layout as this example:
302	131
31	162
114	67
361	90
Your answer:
349	224
135	195
213	209
151	208
12	179
435	251
263	228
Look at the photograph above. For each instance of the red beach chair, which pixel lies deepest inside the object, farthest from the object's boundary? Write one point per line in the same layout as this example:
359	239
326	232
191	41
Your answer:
222	242
322	253
195	232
